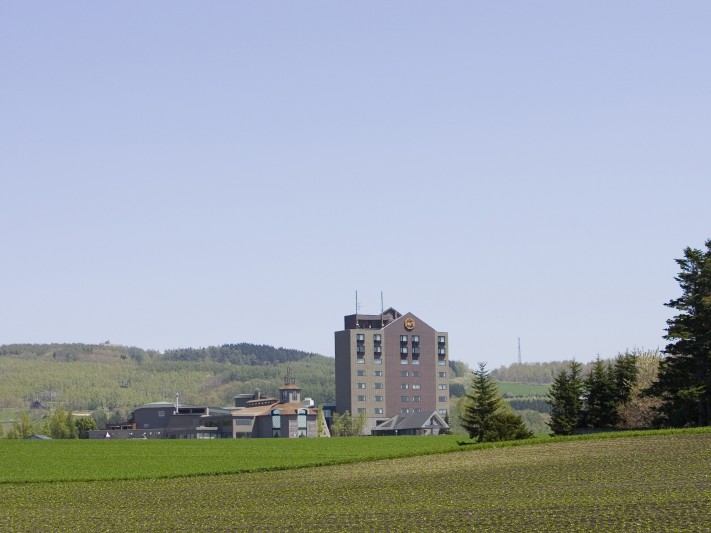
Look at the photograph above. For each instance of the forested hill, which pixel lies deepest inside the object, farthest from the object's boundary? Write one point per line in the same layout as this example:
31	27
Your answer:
110	377
237	354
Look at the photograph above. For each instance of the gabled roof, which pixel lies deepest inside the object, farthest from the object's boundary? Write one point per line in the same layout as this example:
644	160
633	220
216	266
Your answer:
412	421
401	318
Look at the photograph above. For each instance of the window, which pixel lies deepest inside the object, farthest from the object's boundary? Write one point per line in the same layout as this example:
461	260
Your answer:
361	398
404	386
415	373
416	350
378	385
442	386
404	399
301	415
441	351
442	374
415	385
361	385
403	361
378	410
377	349
377	361
415	339
442	362
403	339
404	410
378	372
417	410
440	339
415	361
403	349
360	337
360	349
378	398
361	372
404	373
377	337
416	398
441	398
360	361
361	410
442	411
276	422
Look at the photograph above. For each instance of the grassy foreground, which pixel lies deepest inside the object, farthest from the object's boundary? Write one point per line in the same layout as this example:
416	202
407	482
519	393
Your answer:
658	482
93	460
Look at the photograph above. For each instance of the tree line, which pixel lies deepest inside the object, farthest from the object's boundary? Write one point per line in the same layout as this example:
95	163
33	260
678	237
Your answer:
648	389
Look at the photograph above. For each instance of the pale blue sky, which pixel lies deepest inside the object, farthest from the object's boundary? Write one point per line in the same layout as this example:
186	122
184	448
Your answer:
191	174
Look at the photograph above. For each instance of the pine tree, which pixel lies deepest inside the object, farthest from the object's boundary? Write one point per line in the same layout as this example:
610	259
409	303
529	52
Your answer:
601	396
684	382
564	397
486	416
483	401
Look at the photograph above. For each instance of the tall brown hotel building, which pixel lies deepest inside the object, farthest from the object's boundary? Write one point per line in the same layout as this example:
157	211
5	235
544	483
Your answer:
391	364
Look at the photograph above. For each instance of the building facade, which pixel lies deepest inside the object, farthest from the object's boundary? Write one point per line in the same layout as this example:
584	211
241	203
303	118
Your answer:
391	364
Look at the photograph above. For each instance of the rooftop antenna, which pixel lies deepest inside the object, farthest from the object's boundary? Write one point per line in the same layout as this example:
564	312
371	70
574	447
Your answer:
177	403
357	309
519	350
382	324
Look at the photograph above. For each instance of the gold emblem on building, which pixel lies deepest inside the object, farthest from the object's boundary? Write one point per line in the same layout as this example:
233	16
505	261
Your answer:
409	324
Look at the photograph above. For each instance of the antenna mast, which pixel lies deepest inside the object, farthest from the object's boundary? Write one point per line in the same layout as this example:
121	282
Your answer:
381	310
519	350
357	308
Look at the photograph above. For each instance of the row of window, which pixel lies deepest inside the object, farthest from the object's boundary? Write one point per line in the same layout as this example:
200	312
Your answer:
403	373
379	385
377	410
403	338
362	398
403	361
360	337
376	385
376	361
404	410
376	373
403	399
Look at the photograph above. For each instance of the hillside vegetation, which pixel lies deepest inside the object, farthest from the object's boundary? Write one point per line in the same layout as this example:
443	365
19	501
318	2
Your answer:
110	377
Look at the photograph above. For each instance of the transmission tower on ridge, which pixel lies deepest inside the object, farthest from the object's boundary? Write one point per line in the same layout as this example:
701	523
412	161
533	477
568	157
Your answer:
519	350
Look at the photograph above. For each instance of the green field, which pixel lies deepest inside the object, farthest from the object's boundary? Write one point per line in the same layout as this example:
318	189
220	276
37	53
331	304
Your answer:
521	389
653	482
92	460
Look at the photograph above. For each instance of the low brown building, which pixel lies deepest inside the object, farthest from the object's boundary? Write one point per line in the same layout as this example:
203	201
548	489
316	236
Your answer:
253	416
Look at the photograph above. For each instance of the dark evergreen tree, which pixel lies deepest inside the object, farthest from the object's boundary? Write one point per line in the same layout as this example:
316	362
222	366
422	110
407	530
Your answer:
508	425
564	398
684	382
600	396
486	416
